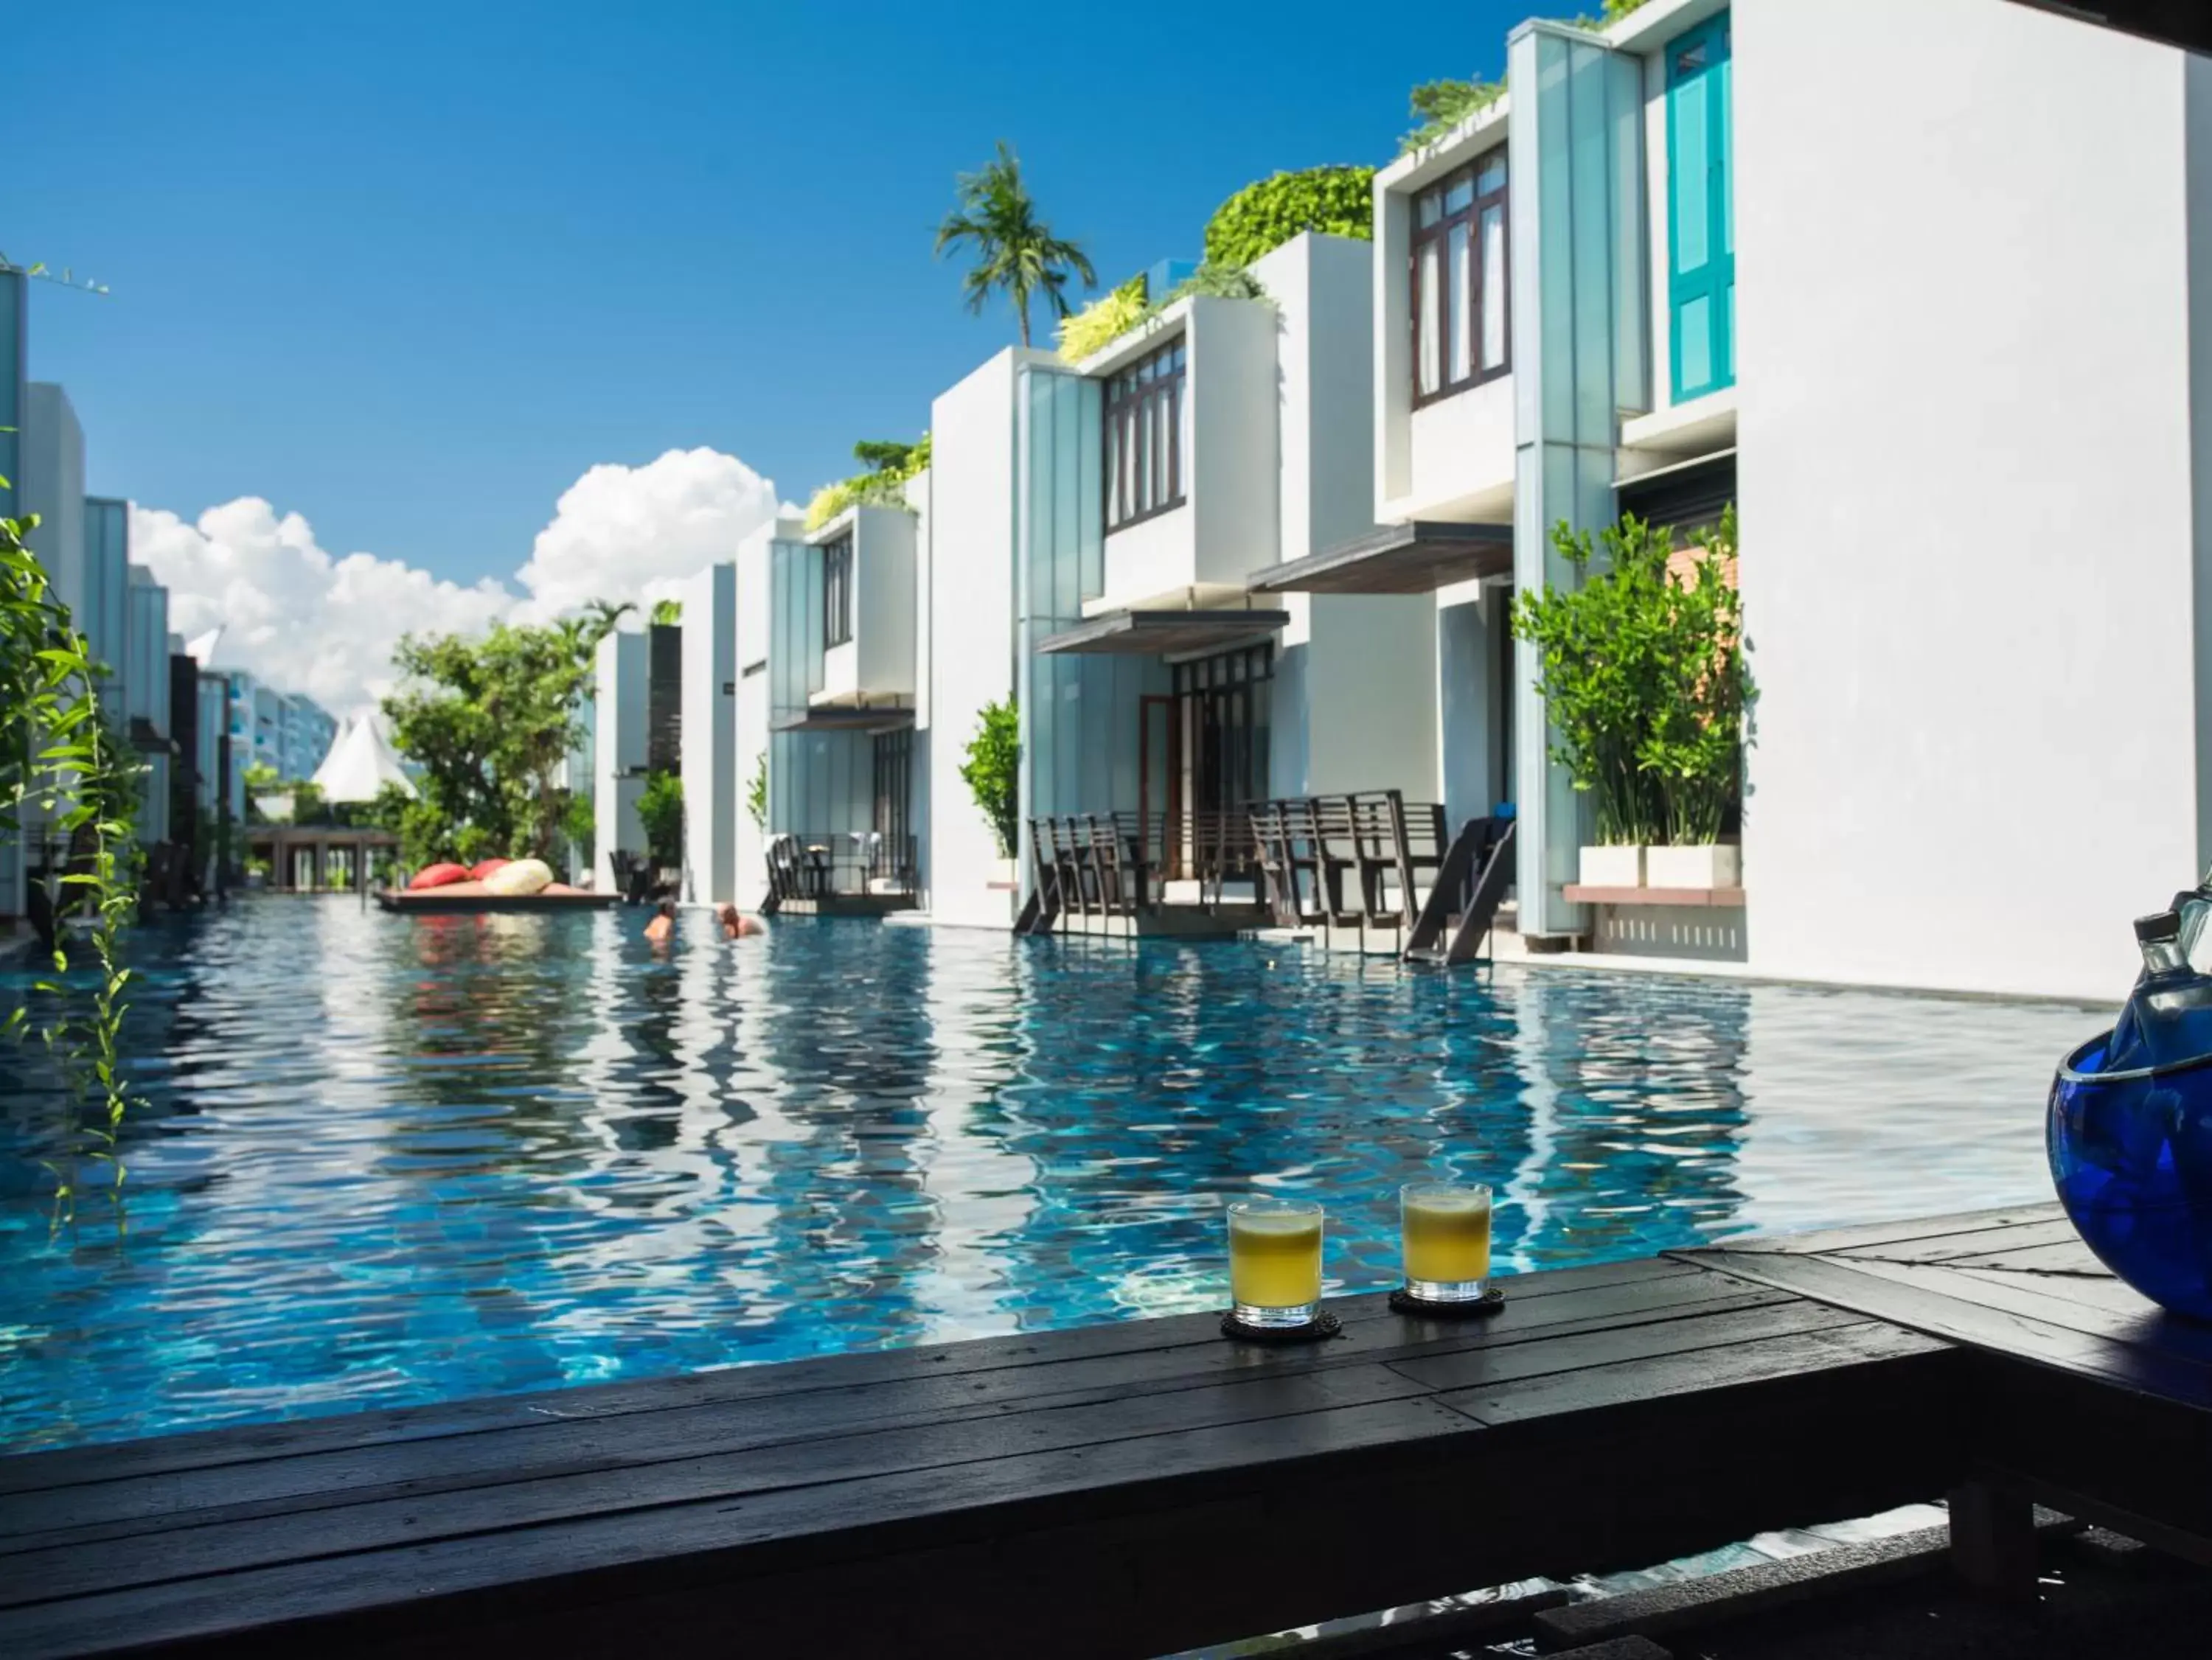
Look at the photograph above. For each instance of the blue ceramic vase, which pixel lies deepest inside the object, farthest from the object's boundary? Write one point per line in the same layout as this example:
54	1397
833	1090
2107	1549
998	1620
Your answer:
2131	1152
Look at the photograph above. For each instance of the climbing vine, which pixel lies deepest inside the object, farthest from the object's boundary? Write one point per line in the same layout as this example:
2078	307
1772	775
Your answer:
56	750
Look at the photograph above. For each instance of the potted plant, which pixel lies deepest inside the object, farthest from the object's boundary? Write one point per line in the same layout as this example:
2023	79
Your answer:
993	773
1642	667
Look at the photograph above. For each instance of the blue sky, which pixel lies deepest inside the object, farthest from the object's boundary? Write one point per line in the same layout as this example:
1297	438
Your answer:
409	269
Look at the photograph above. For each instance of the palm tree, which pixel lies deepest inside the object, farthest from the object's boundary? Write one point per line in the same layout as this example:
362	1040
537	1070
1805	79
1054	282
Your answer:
1014	251
600	618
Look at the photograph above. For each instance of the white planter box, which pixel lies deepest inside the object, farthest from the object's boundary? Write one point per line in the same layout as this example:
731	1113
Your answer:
1612	867
1718	864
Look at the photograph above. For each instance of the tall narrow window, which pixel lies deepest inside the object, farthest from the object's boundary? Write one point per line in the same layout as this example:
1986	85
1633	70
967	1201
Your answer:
1700	226
838	590
1459	309
1147	465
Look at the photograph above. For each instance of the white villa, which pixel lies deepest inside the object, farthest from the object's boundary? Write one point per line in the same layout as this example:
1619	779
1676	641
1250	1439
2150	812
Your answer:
1259	549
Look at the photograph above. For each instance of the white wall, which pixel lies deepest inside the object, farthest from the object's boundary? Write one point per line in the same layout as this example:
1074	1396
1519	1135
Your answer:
751	852
619	745
1969	557
1227	527
710	734
1368	681
1460	457
884	622
1234	461
970	600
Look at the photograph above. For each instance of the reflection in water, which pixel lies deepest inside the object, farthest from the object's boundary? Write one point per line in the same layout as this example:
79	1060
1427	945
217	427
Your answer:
395	1160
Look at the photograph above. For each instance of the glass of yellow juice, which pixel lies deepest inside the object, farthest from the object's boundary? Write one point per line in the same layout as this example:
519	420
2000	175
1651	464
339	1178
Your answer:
1274	1260
1446	1231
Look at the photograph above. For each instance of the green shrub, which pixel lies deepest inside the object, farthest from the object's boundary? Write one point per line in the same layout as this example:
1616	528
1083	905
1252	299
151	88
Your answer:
1337	201
1644	681
667	613
992	772
660	811
757	794
1443	104
1104	321
1114	318
890	465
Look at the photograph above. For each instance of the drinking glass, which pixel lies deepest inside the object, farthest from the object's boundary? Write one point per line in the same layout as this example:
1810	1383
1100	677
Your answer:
1274	1262
1445	1230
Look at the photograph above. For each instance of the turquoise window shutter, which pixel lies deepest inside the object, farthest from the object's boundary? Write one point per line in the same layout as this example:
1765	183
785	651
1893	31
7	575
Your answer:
1700	216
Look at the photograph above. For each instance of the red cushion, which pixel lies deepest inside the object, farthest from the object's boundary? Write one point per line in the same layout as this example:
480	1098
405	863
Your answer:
437	875
484	867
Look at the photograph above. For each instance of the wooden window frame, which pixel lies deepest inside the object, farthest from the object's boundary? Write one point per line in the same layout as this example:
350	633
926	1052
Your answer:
837	591
1130	398
1420	237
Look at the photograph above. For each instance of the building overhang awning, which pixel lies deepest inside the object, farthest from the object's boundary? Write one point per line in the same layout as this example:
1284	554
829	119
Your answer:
1401	559
840	717
1164	633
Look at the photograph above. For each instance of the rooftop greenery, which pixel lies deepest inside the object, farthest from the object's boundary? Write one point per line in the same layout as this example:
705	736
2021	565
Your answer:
1443	104
890	464
1335	201
1114	314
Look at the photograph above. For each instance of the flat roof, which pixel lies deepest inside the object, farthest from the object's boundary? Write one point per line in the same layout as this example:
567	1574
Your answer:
1160	634
1402	559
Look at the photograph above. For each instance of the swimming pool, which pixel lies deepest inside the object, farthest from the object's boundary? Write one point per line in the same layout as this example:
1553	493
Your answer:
396	1159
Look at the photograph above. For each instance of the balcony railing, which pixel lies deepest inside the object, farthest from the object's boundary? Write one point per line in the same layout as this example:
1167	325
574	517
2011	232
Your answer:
851	863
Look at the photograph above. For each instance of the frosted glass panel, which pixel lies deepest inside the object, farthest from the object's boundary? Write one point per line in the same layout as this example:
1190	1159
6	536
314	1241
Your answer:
1431	342
1690	182
1695	343
1494	288
1461	334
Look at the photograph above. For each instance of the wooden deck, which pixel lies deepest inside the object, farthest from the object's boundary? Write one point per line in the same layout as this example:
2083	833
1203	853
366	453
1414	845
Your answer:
1136	1489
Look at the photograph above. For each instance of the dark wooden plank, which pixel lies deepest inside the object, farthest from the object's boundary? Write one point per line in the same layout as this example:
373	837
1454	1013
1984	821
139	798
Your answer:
1828	1241
635	1552
2057	1332
1134	1547
2137	1323
2070	1256
94	1512
1943	1247
239	1444
1864	1345
2138	1462
224	1547
1473	1367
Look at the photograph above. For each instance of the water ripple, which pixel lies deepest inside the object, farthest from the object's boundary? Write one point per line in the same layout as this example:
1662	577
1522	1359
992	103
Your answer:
389	1160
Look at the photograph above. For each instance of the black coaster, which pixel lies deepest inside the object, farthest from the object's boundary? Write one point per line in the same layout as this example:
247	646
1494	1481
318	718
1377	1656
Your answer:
1403	1301
1319	1330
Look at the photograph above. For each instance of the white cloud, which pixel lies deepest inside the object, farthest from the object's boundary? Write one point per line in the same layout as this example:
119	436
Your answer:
624	533
292	614
306	621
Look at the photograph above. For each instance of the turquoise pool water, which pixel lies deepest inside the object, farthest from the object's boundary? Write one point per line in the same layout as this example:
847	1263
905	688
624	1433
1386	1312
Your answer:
390	1160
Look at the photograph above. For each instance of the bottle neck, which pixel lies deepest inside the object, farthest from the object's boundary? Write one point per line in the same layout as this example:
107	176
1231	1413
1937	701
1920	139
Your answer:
2163	956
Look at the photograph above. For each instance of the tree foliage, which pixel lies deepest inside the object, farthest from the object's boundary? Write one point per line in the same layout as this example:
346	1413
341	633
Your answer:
1443	104
890	464
1015	252
667	613
660	812
1645	679
490	722
57	750
1337	201
991	770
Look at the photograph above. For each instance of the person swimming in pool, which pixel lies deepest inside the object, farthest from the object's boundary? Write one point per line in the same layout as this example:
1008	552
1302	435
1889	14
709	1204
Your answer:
663	923
736	926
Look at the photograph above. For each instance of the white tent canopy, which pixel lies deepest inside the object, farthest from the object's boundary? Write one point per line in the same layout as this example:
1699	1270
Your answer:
360	764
